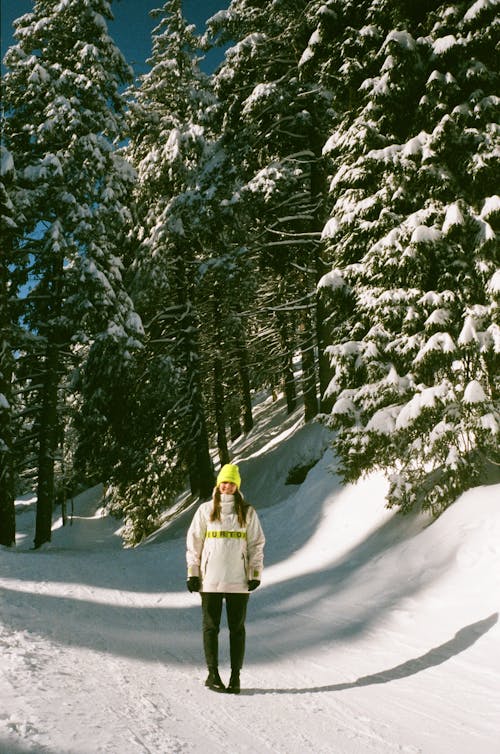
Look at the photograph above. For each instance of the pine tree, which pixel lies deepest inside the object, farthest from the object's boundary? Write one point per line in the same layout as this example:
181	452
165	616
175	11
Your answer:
64	112
8	228
413	228
168	143
274	116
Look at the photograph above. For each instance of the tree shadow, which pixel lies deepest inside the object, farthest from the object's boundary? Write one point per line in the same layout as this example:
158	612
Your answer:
172	625
147	617
462	640
173	630
15	747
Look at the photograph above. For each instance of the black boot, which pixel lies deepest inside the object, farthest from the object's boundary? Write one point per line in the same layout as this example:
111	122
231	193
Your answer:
234	682
213	681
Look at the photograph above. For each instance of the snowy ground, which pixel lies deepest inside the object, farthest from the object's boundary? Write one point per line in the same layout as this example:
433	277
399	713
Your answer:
371	633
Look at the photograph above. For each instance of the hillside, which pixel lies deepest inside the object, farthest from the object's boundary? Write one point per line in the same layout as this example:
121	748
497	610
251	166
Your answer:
371	633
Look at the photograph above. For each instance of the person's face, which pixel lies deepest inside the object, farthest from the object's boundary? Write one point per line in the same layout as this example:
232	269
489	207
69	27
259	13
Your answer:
227	488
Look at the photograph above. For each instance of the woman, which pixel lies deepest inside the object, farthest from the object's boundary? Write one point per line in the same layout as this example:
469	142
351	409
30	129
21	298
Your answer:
225	553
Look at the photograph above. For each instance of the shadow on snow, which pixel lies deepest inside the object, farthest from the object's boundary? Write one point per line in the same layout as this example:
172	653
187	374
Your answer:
462	640
308	610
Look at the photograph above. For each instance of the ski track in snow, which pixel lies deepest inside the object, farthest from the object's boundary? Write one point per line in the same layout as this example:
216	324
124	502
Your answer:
371	634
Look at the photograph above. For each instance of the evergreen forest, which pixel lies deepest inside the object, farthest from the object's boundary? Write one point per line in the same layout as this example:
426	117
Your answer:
317	219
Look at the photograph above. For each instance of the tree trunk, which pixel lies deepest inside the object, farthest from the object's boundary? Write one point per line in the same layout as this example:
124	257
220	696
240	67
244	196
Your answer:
48	426
7	472
220	414
323	338
287	364
219	396
48	436
7	507
235	429
309	393
319	193
196	441
246	395
202	480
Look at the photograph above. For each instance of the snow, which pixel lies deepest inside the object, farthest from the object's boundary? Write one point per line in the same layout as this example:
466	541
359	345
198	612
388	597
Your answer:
474	393
440	317
426	398
442	45
330	143
477	7
308	53
440	341
468	333
491	206
401	38
6	161
315	38
260	92
172	149
333	280
489	422
134	323
43	169
433	298
485	232
343	405
371	633
378	86
248	45
453	217
266	180
383	421
424	234
494	283
330	229
493	331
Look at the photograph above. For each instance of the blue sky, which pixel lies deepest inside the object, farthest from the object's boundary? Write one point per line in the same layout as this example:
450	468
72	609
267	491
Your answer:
131	28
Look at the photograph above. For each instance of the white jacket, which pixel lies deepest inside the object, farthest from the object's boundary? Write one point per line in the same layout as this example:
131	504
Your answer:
224	554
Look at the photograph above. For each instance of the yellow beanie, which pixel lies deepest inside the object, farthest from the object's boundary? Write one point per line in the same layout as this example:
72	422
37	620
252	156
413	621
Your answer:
229	473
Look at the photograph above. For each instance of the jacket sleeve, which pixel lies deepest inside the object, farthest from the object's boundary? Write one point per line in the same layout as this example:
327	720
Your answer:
194	543
255	544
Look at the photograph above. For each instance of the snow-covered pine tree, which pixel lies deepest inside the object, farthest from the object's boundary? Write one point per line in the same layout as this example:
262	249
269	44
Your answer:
8	231
168	143
274	113
226	285
416	382
64	113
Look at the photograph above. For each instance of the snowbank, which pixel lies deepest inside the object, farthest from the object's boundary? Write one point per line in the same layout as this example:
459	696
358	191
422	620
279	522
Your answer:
371	632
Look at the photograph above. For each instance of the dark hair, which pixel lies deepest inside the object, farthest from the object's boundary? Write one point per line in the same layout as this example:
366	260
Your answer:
240	504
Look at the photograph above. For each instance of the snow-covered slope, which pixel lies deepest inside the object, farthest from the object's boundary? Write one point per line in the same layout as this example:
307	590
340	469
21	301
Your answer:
371	632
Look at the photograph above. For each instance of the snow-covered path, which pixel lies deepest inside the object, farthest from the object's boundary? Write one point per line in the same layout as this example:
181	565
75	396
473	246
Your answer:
370	633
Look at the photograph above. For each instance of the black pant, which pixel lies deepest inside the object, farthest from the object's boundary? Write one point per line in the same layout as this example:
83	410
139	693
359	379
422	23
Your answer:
236	610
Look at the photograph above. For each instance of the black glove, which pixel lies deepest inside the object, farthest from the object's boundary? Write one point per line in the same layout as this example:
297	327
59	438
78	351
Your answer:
193	583
253	584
